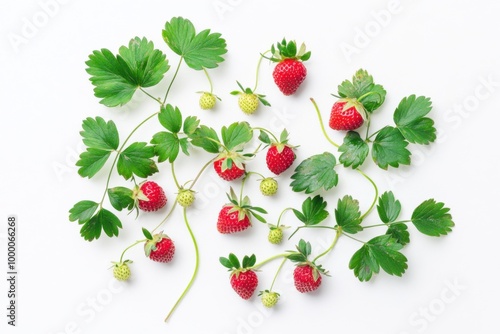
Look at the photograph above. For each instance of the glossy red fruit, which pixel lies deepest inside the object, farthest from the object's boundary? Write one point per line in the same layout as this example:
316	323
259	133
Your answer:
244	283
155	195
228	174
345	118
229	222
305	279
277	161
161	249
289	75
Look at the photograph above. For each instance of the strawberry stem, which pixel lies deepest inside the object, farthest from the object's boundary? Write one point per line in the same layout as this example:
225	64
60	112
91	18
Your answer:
173	176
260	264
134	244
117	155
329	249
376	193
209	80
197	264
277	272
281	215
322	125
151	96
166	217
388	224
201	172
257	71
173	79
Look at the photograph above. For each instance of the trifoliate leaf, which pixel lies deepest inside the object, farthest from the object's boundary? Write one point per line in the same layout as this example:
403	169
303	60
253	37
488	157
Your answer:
236	135
347	215
91	161
190	125
171	118
166	146
354	150
313	211
116	78
379	252
97	133
388	207
314	173
362	86
206	138
103	220
432	218
202	50
389	148
410	120
121	198
136	160
399	232
82	211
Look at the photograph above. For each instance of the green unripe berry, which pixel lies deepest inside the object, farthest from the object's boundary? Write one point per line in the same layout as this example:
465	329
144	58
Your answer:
185	198
268	186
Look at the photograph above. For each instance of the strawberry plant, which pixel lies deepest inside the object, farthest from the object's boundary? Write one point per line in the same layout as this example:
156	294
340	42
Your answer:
139	65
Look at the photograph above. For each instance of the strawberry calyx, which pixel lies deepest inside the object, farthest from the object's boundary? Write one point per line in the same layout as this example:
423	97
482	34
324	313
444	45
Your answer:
288	50
301	258
243	208
152	240
272	140
231	158
357	104
233	264
250	91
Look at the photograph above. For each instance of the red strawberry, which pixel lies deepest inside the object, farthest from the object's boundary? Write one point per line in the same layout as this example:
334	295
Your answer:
290	71
160	248
244	283
347	115
243	279
307	274
231	172
150	196
279	158
306	278
235	216
229	220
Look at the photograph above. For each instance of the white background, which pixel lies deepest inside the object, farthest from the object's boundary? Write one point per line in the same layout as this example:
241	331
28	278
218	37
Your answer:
446	50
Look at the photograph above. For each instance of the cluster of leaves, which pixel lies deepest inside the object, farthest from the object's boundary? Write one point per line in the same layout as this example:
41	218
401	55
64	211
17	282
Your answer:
430	218
389	147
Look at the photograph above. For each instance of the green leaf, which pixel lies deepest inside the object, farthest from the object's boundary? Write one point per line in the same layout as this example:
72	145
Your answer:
412	108
388	207
105	221
82	211
248	261
314	173
116	78
190	125
362	86
420	131
399	232
147	234
389	148
347	215
91	161
264	137
236	134
97	133
121	198
206	138
354	150
166	146
202	50
410	120
313	211
379	252
234	260
136	160
170	118
432	218
184	143
226	262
